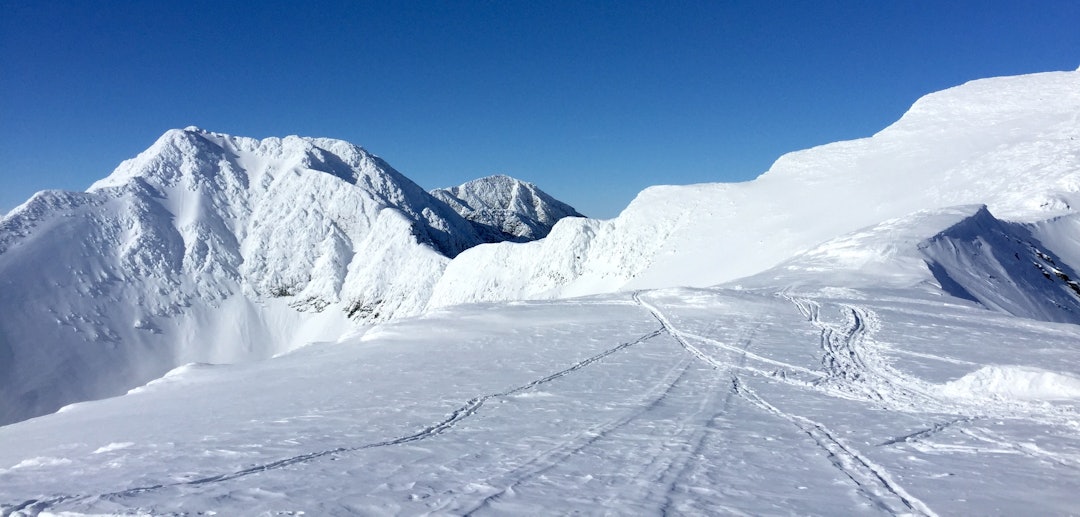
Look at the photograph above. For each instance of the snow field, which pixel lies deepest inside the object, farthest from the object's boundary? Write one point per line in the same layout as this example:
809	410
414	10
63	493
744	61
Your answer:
686	400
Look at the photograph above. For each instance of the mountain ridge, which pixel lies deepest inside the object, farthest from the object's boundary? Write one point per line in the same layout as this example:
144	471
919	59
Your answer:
1011	143
214	248
210	248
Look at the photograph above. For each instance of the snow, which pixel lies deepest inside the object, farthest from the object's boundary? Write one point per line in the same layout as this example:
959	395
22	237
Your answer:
1011	143
692	401
288	326
1014	382
210	248
510	209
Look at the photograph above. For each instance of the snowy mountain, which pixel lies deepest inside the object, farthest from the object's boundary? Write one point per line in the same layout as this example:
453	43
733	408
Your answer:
506	208
210	248
1011	143
964	252
882	326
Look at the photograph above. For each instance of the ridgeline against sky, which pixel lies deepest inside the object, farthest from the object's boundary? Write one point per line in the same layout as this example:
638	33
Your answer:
594	100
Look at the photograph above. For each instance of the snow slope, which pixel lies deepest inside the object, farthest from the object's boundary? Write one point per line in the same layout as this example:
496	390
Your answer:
1011	143
681	401
509	209
209	248
964	252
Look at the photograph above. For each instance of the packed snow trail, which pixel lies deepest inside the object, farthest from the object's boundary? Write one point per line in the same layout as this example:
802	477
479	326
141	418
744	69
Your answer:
469	408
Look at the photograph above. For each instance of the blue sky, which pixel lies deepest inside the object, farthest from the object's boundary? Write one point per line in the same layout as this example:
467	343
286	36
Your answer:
592	101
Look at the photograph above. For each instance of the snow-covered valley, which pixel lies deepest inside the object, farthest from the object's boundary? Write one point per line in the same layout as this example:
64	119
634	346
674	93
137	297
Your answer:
882	326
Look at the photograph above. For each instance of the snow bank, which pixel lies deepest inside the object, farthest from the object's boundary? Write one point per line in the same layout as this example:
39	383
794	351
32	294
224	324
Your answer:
1014	382
1009	143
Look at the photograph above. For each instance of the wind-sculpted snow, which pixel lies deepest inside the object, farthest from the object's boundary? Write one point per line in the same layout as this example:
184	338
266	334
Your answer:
964	252
209	248
1010	143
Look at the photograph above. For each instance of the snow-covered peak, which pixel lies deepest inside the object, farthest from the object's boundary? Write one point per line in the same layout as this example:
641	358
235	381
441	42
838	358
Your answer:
209	247
182	155
506	206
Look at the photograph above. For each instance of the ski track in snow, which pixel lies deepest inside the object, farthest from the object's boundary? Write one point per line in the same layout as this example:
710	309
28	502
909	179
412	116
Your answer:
858	369
871	480
667	470
466	410
552	457
680	466
853	367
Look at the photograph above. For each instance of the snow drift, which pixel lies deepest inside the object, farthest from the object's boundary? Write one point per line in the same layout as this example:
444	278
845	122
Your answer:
1011	143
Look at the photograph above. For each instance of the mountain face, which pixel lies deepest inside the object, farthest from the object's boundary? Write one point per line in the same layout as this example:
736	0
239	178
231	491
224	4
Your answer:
1010	143
212	248
506	209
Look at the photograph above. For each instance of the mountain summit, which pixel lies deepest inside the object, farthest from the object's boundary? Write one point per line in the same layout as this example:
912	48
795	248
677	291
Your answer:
208	247
506	208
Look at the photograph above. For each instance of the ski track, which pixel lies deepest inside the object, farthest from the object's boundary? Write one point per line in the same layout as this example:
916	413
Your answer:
858	370
677	472
1028	449
466	410
855	367
871	480
930	431
675	467
554	456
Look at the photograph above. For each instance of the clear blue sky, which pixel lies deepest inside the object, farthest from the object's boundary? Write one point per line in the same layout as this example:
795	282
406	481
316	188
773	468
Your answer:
593	101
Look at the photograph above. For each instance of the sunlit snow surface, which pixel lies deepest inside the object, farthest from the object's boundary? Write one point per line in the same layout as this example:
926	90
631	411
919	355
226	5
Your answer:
685	401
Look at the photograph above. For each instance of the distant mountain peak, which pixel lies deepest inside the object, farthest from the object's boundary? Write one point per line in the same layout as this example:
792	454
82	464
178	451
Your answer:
510	208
